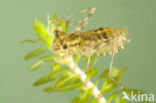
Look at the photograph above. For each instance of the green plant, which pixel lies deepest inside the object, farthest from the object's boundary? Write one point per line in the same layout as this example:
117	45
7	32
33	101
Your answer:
71	77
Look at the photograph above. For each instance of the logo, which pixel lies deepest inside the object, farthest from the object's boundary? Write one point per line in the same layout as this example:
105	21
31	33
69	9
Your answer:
138	97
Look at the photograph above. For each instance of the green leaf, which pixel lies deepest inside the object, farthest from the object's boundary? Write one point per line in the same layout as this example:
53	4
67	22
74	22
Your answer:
54	22
36	65
45	79
36	52
30	41
42	33
119	99
92	72
135	91
70	87
113	96
51	89
64	25
41	62
115	72
76	100
64	84
56	74
109	85
65	80
56	67
84	97
92	60
66	88
55	18
76	58
94	101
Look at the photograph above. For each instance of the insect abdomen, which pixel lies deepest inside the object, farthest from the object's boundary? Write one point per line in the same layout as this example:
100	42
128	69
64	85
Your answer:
114	39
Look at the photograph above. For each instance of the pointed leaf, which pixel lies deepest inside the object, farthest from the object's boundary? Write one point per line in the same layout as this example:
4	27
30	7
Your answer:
65	80
93	60
92	72
66	25
84	97
51	89
42	33
65	83
76	100
117	100
120	100
30	41
70	87
36	65
113	96
56	74
36	52
135	91
44	79
109	84
65	88
115	72
56	67
41	62
85	94
63	25
54	22
76	58
55	18
94	101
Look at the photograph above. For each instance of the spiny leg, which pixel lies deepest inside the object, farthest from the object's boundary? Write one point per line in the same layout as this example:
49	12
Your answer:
91	9
93	50
110	69
83	23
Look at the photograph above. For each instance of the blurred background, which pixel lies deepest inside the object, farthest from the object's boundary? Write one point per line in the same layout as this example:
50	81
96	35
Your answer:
17	17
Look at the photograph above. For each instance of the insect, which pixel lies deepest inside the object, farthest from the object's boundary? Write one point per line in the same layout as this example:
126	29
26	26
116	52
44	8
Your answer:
101	41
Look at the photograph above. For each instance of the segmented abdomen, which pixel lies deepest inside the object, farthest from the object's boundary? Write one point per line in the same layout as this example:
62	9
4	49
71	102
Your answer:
103	41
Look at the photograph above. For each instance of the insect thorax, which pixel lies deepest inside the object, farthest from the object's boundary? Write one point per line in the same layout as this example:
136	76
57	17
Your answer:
101	41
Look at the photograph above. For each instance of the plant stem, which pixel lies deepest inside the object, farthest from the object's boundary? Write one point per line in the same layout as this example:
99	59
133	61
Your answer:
88	83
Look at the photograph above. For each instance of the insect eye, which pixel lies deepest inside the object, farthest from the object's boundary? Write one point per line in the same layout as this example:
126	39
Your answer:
65	46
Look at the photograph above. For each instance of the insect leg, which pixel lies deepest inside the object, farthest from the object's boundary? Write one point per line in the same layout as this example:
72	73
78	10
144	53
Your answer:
111	63
110	69
90	55
83	23
87	67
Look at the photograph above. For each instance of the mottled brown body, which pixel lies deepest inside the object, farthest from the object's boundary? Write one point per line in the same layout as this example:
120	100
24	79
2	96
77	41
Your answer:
101	41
